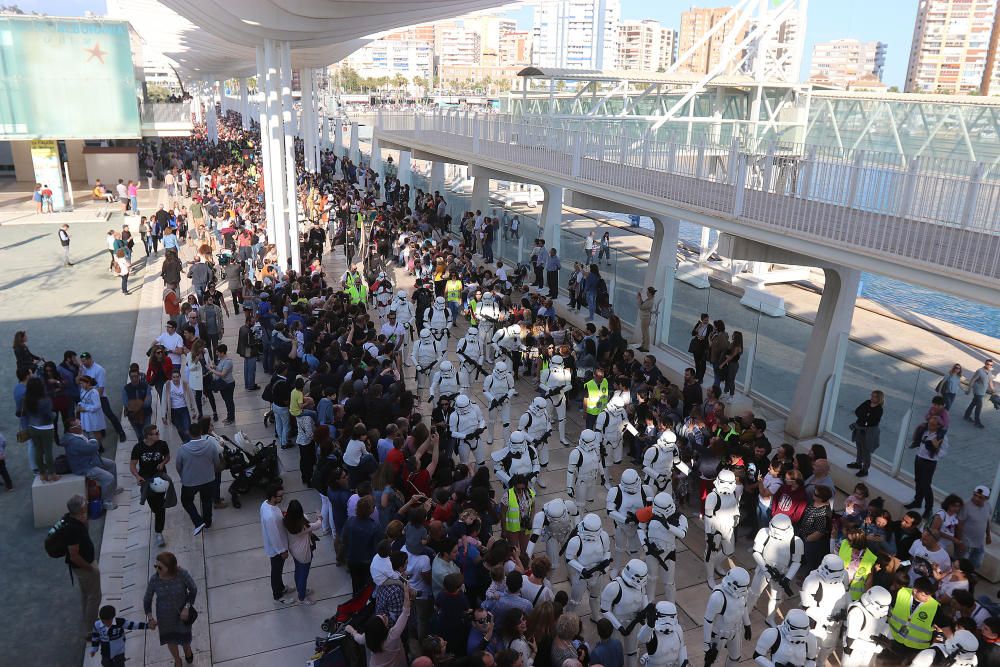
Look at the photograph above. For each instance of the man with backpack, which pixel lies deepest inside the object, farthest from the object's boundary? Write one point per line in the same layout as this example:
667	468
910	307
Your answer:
70	540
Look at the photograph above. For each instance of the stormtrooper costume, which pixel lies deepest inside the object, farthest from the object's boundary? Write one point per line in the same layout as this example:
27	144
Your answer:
725	612
722	514
506	341
790	644
588	556
404	317
466	424
624	602
958	651
536	425
866	630
383	296
554	382
611	425
663	637
659	541
438	319
659	460
622	503
778	554
585	469
445	381
553	526
425	356
488	315
825	599
517	458
469	351
498	388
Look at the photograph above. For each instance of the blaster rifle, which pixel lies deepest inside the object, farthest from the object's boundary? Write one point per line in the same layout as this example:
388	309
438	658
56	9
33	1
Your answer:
552	392
427	369
640	617
780	579
600	567
630	517
475	434
469	360
543	439
839	617
497	402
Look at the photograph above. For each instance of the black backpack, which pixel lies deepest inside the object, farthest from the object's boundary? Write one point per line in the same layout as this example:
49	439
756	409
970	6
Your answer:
56	545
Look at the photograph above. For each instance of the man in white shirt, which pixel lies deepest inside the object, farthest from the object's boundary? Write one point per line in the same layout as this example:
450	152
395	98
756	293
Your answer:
928	559
96	371
501	272
418	575
172	342
275	540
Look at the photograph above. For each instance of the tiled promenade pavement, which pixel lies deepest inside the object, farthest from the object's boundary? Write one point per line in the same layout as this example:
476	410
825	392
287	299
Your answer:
238	623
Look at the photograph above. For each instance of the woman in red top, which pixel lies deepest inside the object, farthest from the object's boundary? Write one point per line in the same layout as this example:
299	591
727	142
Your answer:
791	497
159	369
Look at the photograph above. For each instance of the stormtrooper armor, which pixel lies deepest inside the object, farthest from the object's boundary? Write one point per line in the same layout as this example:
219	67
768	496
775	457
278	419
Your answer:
663	637
659	541
404	317
470	358
438	319
488	314
553	526
722	514
623	602
445	381
506	341
959	650
825	598
789	644
536	425
611	425
498	388
585	469
554	382
517	458
659	460
383	295
778	554
727	618
467	425
622	503
867	628
588	555
425	357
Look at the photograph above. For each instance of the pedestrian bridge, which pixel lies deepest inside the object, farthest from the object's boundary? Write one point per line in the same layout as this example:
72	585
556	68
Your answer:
921	220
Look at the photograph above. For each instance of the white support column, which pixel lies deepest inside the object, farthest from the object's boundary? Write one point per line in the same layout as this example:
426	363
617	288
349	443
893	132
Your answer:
822	357
325	129
338	139
318	122
265	147
437	177
405	170
660	273
355	154
291	201
306	126
244	104
551	218
376	161
275	184
480	189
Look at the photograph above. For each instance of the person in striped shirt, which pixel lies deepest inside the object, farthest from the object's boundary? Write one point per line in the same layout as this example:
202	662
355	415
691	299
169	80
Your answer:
109	636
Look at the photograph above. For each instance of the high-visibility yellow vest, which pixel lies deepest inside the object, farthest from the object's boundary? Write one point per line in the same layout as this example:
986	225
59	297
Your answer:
861	576
512	520
913	630
453	291
360	220
597	396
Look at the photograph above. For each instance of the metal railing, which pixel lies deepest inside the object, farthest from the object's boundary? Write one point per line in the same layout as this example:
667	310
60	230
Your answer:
917	210
166	112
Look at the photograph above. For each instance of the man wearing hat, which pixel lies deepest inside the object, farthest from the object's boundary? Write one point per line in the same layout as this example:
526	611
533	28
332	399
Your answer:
974	518
645	314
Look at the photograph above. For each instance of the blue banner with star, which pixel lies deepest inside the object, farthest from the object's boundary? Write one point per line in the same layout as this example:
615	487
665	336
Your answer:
66	78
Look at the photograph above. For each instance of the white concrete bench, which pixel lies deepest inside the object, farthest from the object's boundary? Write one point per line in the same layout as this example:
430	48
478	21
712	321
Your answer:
48	499
757	297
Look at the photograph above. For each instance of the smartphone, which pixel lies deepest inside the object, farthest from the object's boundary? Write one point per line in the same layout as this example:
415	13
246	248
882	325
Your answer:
904	563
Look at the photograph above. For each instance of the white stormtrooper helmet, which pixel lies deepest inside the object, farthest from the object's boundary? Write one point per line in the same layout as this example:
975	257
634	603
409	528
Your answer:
554	509
516	329
158	485
635	573
795	628
463	404
472	333
962	645
725	482
831	570
588	440
590	528
736	582
781	527
439	303
876	601
500	369
401	295
446	366
629	481
487	298
538	405
425	334
619	401
667	440
556	363
663	505
665	618
518	442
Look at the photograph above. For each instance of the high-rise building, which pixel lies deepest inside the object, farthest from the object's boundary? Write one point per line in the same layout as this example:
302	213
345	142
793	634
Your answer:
456	45
950	40
645	46
843	62
515	48
578	34
694	24
388	57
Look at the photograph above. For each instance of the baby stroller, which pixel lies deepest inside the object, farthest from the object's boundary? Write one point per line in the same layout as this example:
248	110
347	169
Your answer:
337	648
251	465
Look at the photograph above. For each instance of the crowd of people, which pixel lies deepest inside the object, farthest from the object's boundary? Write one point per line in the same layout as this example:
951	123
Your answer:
398	401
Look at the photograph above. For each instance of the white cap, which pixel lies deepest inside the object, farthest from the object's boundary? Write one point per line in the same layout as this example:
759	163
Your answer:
983	489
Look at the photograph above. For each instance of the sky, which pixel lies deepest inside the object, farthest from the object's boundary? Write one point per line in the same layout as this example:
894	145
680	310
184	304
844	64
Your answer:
889	21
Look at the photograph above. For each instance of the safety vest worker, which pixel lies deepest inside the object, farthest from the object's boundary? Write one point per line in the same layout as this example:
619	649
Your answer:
453	290
512	520
597	396
913	626
860	579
